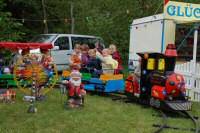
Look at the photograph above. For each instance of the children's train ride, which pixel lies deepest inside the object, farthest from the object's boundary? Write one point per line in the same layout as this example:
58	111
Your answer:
25	70
157	82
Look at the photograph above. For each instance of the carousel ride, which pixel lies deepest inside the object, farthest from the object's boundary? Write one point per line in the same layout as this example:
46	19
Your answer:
34	74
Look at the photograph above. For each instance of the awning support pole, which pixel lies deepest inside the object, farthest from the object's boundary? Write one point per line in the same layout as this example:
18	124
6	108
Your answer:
196	27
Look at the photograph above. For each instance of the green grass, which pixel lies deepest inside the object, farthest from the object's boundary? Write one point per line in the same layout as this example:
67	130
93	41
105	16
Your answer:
100	115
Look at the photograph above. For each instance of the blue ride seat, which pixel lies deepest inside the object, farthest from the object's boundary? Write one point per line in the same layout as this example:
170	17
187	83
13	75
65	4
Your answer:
95	84
114	86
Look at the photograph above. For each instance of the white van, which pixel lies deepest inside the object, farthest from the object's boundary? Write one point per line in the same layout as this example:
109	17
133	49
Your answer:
63	45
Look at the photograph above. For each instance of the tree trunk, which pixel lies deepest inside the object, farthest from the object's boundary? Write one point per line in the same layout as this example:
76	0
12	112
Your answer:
46	30
72	18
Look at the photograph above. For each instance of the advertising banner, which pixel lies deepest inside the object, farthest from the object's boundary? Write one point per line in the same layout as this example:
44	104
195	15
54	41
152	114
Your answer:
181	12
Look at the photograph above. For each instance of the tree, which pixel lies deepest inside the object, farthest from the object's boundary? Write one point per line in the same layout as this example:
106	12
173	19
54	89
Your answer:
10	30
109	19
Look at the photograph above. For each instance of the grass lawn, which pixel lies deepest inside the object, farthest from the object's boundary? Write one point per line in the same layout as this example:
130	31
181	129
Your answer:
100	115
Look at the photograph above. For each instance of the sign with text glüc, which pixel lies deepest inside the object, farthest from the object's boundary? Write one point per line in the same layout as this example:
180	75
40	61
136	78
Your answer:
182	12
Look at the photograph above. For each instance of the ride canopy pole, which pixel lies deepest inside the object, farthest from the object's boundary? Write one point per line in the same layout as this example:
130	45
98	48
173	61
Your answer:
195	53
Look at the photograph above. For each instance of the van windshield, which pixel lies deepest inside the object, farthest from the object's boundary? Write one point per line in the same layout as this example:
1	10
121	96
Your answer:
85	40
43	38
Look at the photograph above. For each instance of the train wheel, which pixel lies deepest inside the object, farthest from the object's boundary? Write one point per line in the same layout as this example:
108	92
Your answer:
155	102
152	102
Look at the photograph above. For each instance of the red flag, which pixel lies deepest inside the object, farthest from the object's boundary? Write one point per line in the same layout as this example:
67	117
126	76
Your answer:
166	1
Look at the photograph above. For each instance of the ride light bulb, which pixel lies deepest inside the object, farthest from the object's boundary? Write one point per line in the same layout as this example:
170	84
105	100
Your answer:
184	93
146	56
164	92
179	86
144	72
170	98
173	91
178	77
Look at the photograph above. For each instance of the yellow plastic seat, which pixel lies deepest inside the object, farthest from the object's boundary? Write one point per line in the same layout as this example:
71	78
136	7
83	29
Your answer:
106	77
66	73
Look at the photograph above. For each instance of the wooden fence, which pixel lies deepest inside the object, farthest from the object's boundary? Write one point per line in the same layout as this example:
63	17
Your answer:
191	73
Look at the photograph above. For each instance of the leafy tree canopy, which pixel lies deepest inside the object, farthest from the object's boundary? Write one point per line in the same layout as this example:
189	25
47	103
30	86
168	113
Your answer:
10	30
109	19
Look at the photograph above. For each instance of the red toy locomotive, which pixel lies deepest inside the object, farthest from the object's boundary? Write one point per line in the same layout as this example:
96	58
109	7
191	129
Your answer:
158	83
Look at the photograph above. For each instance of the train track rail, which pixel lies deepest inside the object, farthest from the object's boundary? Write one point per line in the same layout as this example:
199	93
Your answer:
195	122
122	97
164	124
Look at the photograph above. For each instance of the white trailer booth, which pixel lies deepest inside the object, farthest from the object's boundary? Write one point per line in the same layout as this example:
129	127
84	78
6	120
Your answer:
150	34
154	33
